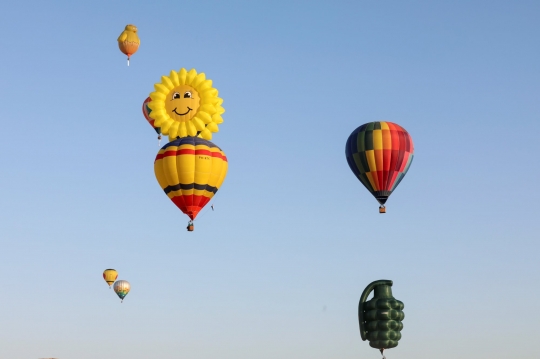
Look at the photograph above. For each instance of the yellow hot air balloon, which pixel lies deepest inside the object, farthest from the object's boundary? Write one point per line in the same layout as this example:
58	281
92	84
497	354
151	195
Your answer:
190	171
129	41
185	103
110	276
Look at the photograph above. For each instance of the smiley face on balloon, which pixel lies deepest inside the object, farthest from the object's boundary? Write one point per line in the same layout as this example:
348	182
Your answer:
185	104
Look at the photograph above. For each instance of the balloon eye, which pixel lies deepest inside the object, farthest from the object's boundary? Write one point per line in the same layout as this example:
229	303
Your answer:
175	95
187	94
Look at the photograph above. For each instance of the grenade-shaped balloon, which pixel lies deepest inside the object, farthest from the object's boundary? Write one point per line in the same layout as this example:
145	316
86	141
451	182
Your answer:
380	318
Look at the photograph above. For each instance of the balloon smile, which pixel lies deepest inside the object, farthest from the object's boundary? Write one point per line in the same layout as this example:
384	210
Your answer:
182	114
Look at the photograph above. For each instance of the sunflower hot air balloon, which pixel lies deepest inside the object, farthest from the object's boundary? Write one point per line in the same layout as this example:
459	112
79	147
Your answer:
146	112
129	41
380	154
190	171
185	104
110	276
122	288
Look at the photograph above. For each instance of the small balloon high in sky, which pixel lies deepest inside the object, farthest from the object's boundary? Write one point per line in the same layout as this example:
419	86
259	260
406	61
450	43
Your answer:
110	276
122	288
129	41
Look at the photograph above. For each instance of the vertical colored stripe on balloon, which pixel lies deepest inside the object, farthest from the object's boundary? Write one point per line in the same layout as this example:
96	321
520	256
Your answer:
372	181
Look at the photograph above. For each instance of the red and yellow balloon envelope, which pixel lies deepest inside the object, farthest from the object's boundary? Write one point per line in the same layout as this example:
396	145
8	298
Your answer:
380	154
146	112
190	171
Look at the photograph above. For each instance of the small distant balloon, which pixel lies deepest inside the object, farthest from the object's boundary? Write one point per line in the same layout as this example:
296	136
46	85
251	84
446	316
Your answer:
122	288
129	41
110	276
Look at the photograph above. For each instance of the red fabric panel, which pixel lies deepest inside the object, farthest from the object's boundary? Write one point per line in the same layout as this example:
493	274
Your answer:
179	202
190	205
393	176
404	161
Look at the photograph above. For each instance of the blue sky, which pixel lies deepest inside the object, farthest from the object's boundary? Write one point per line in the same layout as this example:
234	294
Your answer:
277	269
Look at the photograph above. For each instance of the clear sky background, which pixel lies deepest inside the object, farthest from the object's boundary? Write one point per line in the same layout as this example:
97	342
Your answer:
277	269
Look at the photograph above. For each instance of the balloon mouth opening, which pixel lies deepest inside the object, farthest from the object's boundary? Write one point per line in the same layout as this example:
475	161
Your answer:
382	196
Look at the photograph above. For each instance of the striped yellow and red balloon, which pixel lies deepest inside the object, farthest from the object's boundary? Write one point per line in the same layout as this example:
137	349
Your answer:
190	171
380	154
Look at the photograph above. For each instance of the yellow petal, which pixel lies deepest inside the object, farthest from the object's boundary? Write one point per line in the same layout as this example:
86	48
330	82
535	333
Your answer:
212	127
205	85
217	119
162	89
199	124
220	110
218	101
182	76
191	130
157	96
165	126
153	115
198	79
153	105
161	117
174	78
158	112
206	118
173	130
207	135
210	109
182	132
210	93
167	82
190	76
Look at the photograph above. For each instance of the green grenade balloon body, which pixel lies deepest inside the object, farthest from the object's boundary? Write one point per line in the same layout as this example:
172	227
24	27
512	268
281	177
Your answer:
380	318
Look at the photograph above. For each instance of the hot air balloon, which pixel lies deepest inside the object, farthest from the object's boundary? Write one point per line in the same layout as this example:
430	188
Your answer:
146	112
381	317
122	288
185	103
190	171
380	154
110	276
129	41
